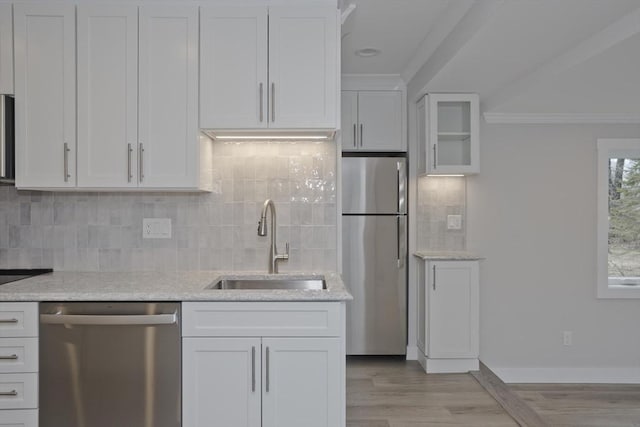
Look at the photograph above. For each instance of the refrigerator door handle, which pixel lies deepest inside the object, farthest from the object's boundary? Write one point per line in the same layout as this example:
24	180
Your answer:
400	247
402	187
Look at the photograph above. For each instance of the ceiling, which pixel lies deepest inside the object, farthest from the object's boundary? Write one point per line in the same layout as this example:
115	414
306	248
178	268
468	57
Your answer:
521	56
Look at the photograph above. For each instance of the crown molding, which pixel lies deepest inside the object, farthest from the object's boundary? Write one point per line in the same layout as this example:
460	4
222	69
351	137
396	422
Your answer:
561	118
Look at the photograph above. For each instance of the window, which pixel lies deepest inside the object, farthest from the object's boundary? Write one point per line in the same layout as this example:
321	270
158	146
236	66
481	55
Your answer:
618	218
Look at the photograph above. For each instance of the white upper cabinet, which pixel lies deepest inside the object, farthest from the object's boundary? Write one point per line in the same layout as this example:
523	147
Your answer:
269	67
450	134
303	67
233	67
137	97
6	49
168	155
372	121
45	91
107	95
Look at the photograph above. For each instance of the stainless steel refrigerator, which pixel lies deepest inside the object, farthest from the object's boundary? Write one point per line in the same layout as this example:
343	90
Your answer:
374	256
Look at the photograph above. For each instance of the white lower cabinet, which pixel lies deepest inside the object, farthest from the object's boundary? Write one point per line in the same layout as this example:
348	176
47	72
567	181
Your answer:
19	364
21	418
448	310
262	380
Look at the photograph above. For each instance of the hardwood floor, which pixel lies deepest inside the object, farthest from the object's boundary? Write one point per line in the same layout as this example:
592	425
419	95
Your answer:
583	405
392	392
387	392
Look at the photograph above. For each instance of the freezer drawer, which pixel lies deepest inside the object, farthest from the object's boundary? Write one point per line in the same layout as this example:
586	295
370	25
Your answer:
374	272
373	185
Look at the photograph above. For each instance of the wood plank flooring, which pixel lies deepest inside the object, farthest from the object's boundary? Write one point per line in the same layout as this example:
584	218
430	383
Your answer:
583	405
387	392
392	392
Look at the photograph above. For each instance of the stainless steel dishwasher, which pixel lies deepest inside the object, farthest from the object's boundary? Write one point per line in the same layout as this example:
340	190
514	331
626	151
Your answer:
110	364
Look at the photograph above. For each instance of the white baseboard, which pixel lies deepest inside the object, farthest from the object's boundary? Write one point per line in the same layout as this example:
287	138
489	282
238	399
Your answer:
446	366
569	375
412	353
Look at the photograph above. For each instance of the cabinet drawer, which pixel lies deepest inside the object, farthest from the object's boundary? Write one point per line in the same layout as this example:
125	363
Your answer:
18	355
261	319
21	418
18	319
18	391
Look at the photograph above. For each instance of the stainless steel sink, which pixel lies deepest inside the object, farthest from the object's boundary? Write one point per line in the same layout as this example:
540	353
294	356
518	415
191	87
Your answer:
313	283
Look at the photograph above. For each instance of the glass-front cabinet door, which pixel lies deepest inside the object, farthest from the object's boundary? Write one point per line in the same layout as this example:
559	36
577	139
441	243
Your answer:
450	133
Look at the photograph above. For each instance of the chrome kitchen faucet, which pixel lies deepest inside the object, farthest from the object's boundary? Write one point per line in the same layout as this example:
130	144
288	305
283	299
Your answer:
274	256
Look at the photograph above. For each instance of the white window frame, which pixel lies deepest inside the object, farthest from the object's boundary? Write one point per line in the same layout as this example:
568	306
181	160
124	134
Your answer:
610	148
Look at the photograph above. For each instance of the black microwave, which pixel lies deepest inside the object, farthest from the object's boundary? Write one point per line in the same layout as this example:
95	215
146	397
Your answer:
7	140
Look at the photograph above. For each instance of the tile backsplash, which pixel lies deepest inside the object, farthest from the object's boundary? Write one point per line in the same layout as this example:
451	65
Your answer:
210	231
439	197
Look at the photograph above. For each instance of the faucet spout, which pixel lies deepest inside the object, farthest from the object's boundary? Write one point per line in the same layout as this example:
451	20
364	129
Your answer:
274	256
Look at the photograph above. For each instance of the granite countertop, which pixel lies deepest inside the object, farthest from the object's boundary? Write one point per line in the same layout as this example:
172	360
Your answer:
154	286
447	256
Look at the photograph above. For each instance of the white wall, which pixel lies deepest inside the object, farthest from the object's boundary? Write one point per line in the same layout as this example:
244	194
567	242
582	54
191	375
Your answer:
532	214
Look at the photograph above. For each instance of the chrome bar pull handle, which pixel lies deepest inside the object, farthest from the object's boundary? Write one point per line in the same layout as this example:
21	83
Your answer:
261	103
141	161
66	162
434	277
11	357
253	368
267	371
435	162
361	132
273	102
8	320
129	151
355	137
8	393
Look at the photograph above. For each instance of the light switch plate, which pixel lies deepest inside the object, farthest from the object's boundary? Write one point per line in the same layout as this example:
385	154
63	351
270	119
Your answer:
454	222
156	228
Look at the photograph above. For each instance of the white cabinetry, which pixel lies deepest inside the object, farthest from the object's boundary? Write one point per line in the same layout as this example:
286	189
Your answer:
448	134
137	97
372	121
45	95
263	364
448	310
6	49
138	136
268	67
19	364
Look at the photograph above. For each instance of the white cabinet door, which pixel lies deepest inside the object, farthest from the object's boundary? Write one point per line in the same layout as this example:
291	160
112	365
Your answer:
303	67
453	309
107	95
454	122
349	120
233	67
421	134
19	418
301	382
45	89
168	97
222	382
380	118
6	49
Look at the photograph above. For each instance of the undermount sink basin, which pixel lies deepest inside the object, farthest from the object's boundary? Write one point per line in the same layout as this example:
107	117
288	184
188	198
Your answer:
308	283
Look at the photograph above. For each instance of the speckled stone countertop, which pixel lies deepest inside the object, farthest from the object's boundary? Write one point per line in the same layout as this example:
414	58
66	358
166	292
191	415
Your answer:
447	256
152	286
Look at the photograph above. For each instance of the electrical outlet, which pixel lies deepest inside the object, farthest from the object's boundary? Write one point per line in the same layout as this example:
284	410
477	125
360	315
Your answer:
567	338
156	228
454	222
